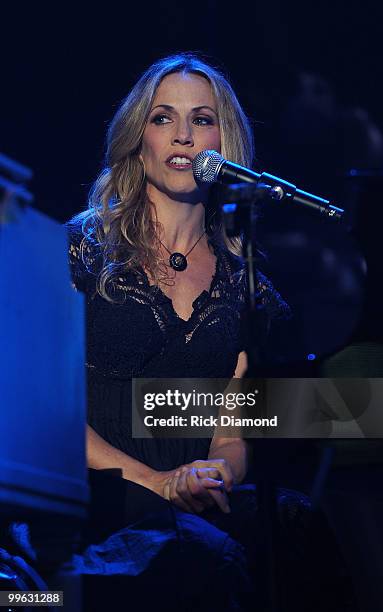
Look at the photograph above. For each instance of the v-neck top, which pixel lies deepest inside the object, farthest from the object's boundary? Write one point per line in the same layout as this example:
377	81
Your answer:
202	293
140	335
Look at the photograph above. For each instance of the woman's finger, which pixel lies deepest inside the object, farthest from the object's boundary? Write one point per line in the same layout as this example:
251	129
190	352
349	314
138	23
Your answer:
212	483
220	499
173	494
197	488
222	466
185	494
208	472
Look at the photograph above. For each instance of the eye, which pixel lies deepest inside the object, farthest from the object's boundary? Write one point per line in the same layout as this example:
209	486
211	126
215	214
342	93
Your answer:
203	120
160	119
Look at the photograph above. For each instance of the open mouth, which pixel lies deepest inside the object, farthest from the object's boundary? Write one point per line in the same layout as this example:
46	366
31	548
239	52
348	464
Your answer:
179	163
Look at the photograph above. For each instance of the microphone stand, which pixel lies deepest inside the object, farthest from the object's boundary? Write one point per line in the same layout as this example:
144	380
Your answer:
244	223
243	198
249	195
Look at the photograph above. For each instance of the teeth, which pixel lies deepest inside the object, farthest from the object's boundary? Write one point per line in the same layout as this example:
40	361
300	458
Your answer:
180	160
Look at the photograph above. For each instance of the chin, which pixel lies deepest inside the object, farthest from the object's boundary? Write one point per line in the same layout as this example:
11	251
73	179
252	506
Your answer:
186	192
194	196
191	191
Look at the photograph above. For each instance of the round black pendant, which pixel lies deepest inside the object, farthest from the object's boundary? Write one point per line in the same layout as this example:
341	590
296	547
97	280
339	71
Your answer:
178	262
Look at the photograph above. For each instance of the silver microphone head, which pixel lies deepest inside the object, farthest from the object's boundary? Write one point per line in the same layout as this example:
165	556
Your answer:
206	166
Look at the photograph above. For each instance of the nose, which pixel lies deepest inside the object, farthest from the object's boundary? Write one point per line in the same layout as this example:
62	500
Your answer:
183	134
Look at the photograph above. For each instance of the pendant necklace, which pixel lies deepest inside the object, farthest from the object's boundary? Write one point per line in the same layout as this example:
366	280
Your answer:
178	261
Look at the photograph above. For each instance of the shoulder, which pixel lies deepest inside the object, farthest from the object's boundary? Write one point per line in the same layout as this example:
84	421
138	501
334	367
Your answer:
83	251
74	229
269	299
233	265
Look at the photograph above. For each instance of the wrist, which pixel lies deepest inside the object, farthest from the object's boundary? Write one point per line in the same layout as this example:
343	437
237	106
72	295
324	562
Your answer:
142	474
156	480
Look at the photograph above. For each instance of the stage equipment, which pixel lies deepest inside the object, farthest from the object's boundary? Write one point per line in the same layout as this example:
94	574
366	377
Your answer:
210	167
316	264
17	575
43	476
42	455
242	200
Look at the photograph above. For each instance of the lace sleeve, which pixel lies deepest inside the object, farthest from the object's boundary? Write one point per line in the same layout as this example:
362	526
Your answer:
82	257
271	307
269	300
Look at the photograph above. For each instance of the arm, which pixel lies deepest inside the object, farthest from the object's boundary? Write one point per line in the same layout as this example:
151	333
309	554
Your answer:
227	460
102	455
234	451
241	367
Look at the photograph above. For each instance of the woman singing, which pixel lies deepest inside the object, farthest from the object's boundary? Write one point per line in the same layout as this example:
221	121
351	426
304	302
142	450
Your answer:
165	290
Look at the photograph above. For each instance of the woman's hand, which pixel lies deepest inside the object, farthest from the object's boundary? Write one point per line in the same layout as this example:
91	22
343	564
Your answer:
195	490
220	467
196	486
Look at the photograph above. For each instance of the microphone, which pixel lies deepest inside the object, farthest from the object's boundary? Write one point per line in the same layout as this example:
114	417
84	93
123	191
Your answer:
210	167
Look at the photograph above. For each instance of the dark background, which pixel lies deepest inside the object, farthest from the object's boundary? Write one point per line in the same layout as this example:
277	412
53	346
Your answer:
308	75
65	69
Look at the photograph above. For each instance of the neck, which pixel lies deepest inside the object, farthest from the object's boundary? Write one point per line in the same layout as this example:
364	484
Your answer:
181	223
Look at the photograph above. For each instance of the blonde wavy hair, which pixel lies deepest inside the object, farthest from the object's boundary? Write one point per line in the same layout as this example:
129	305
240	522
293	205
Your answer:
119	218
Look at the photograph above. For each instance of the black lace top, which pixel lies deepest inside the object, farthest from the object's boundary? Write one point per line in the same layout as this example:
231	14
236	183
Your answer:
142	336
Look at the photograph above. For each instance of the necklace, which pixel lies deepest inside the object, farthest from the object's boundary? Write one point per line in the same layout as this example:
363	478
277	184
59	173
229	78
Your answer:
178	261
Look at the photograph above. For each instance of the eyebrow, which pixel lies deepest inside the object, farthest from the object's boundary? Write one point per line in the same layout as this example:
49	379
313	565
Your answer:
195	109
